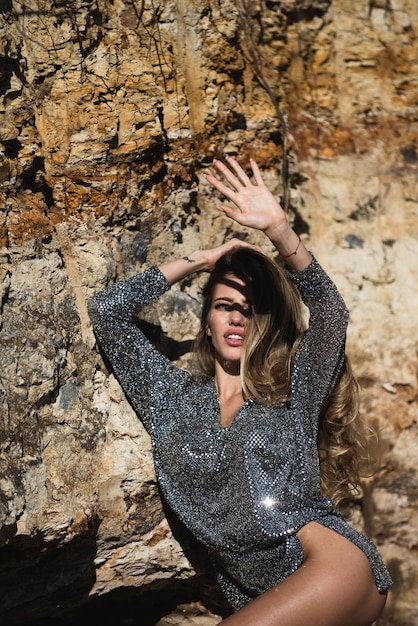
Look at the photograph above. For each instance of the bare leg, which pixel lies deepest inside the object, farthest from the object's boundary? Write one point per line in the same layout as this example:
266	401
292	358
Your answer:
333	587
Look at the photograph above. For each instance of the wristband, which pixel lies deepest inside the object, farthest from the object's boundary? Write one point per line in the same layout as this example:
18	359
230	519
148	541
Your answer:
286	256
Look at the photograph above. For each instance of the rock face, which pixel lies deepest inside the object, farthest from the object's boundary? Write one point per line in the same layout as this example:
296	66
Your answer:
110	114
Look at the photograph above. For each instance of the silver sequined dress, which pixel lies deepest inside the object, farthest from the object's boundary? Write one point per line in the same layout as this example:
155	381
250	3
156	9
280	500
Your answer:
243	491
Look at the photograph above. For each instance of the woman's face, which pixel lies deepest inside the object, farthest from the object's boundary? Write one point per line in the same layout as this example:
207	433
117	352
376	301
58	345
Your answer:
228	318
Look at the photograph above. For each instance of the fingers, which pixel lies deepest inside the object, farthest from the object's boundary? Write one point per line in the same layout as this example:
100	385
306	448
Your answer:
242	176
256	171
221	187
228	175
238	179
229	211
253	247
235	243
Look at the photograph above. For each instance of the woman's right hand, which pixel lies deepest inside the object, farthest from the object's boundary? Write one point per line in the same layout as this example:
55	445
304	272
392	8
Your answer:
201	260
210	257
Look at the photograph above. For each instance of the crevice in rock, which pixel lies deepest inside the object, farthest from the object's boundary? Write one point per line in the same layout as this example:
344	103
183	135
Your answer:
40	577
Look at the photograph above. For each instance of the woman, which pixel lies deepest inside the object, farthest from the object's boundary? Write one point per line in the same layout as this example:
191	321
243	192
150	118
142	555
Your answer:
236	451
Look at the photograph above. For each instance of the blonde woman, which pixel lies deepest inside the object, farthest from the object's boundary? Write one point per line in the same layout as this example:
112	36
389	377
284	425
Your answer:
238	450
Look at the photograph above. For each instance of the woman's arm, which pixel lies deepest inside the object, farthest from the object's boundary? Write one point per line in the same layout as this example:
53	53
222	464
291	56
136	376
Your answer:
256	207
321	352
148	378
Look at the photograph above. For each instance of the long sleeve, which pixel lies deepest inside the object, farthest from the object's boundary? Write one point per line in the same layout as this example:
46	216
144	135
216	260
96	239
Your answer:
317	365
145	374
322	349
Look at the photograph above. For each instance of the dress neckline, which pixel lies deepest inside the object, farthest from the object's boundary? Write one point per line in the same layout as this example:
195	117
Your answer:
218	406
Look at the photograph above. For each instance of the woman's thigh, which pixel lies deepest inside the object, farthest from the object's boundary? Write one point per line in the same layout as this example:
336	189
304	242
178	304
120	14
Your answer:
334	586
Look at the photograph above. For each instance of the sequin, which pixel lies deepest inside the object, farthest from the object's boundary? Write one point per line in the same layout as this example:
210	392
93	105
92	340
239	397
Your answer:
243	491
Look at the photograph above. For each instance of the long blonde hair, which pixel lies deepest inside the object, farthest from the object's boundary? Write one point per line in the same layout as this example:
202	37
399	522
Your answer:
346	442
273	334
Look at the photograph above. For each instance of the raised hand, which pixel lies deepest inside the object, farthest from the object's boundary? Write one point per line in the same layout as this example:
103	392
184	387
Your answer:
256	206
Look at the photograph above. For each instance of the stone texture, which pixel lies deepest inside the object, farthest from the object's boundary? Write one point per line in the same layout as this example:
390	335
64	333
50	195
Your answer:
110	114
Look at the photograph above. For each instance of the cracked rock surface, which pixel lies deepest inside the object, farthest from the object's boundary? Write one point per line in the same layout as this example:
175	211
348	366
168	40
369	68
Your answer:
110	115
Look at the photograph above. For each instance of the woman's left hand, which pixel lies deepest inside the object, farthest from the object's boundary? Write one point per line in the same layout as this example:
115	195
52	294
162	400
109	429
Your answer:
256	207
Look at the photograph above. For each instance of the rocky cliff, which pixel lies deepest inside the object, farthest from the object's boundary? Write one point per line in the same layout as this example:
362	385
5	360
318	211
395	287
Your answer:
111	112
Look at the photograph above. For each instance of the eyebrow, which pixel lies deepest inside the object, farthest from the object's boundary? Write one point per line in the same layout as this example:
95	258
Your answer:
227	298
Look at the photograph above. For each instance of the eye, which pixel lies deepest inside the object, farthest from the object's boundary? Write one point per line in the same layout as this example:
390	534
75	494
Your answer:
227	306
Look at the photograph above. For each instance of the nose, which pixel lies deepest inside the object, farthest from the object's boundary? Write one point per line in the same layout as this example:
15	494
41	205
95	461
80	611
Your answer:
237	318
